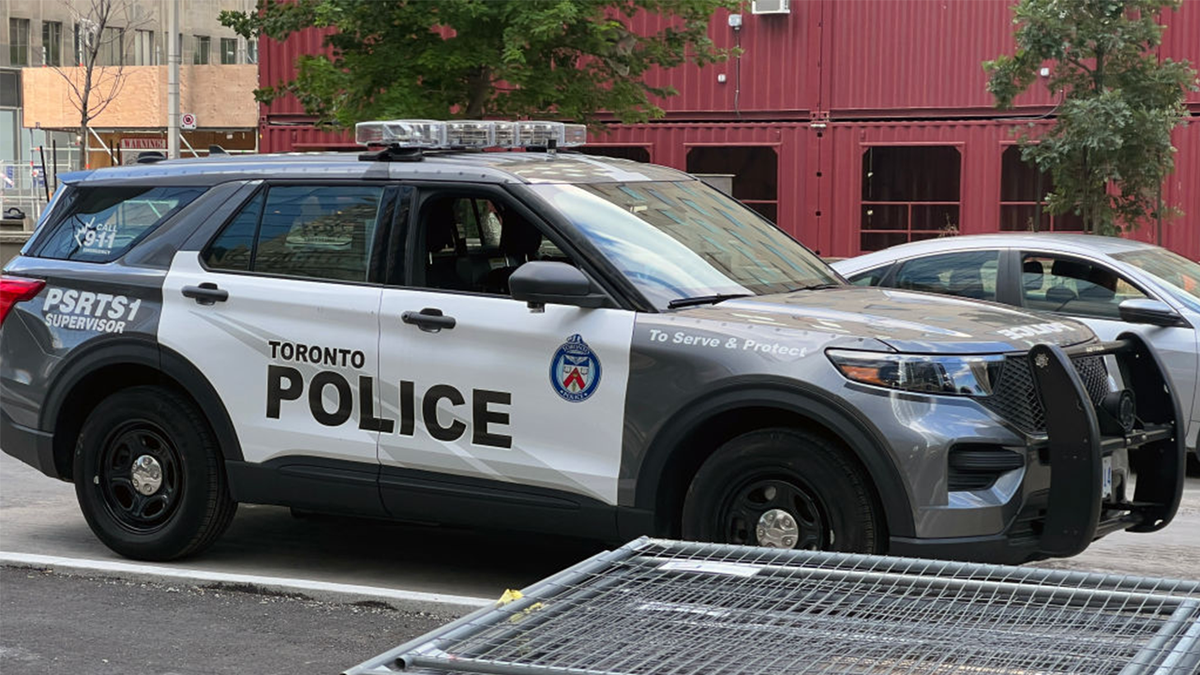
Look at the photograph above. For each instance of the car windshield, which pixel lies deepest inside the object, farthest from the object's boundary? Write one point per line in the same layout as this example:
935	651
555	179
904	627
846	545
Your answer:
679	240
1174	270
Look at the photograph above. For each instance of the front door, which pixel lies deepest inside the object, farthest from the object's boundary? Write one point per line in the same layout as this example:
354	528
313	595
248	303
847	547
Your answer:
1093	293
478	387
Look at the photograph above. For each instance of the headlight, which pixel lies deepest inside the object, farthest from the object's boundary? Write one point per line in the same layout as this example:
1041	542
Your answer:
960	375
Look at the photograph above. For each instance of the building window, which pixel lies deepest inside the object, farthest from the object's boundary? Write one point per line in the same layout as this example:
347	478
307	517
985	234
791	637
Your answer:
636	153
909	193
10	88
754	172
228	51
1023	191
52	43
200	49
143	48
251	51
18	42
111	50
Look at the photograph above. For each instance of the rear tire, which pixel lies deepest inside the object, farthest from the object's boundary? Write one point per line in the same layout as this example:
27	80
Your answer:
149	475
786	488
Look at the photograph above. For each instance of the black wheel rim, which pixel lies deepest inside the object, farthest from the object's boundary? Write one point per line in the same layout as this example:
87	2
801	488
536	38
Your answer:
134	510
745	506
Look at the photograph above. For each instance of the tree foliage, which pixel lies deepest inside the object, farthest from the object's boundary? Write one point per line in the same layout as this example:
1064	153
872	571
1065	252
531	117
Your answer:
474	58
1109	149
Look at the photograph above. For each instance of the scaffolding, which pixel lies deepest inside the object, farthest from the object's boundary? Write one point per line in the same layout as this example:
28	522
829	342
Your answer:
658	607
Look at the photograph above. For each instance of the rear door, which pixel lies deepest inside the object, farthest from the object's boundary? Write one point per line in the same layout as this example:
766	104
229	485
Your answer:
280	313
506	394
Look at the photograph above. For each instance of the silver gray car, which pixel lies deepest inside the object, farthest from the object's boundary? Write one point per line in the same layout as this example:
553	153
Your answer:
1112	285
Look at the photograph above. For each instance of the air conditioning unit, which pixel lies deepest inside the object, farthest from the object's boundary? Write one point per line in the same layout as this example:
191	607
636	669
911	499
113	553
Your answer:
771	7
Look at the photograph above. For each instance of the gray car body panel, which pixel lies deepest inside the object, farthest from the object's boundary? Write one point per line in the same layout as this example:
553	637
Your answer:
1179	350
777	344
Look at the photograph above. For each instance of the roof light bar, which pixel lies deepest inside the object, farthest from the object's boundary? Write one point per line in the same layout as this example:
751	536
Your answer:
402	133
430	134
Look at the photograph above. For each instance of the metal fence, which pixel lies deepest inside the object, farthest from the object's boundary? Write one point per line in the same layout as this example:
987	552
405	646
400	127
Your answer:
656	607
25	187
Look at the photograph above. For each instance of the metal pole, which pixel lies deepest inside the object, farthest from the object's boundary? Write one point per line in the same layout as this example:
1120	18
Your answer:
173	60
45	178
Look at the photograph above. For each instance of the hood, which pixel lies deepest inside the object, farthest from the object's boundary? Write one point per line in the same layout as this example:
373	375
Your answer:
917	323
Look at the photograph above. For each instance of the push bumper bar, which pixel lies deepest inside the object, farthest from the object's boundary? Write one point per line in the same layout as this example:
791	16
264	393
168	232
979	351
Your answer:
1077	511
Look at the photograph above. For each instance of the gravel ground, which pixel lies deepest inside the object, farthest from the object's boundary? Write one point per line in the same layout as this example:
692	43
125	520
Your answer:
78	624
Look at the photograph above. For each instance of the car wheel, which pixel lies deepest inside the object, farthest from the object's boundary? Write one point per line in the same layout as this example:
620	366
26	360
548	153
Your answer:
784	488
149	475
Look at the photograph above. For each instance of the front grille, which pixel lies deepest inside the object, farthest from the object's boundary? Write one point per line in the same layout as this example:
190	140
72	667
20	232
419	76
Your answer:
1016	399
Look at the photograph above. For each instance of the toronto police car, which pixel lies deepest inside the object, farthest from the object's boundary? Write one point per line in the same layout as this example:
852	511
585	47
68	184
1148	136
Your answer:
547	341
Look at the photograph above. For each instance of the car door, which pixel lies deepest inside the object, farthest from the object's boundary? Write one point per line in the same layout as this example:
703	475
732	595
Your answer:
1091	291
482	394
281	315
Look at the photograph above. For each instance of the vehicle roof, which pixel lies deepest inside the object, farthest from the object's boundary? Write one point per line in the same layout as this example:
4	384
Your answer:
477	167
1063	242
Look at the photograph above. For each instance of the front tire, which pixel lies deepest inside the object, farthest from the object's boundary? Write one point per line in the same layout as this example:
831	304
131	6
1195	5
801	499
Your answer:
785	488
149	475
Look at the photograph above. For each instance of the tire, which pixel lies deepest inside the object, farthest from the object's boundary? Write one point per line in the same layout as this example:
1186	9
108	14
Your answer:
758	478
185	503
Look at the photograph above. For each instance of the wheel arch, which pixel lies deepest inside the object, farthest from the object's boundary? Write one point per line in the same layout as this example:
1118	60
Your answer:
689	437
94	372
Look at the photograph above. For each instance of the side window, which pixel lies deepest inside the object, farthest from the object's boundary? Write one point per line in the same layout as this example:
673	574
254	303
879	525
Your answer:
971	274
870	277
1061	284
323	232
474	244
231	249
101	223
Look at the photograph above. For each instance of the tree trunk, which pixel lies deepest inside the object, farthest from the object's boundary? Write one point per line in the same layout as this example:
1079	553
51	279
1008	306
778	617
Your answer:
479	89
88	65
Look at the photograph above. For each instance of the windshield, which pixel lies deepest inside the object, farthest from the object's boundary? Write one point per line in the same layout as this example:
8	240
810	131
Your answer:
1174	270
676	240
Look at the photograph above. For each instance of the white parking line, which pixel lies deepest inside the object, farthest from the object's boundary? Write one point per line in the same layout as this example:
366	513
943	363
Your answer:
307	586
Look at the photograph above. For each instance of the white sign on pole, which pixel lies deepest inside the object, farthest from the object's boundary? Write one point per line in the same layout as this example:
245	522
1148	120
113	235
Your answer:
187	121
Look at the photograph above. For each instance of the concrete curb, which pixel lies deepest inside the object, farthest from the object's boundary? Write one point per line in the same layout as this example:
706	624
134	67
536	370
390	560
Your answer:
403	600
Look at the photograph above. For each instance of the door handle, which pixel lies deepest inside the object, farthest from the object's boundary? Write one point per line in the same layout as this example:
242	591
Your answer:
206	293
430	320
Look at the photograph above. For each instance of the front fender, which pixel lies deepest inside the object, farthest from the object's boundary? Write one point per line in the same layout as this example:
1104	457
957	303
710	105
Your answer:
818	406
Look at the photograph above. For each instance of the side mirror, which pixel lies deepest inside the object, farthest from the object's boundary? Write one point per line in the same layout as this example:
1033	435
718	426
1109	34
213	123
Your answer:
541	282
1152	312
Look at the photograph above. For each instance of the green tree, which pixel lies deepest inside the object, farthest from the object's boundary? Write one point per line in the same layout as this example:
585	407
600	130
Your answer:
568	59
1109	149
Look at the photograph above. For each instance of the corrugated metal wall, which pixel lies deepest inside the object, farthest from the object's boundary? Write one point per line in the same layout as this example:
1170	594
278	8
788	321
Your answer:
777	76
921	56
1181	39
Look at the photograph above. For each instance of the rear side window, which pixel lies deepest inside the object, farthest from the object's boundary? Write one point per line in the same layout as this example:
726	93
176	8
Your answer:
870	277
970	274
100	224
320	232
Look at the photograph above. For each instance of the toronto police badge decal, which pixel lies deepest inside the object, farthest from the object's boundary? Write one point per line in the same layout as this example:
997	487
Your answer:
575	370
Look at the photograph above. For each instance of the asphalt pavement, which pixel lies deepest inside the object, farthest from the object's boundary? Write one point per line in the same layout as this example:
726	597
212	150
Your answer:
61	618
78	624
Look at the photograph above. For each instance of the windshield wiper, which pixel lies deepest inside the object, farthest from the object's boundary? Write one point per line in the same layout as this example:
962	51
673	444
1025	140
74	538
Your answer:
815	287
704	300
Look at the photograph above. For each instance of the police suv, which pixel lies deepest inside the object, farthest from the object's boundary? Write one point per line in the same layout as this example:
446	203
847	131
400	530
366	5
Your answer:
548	341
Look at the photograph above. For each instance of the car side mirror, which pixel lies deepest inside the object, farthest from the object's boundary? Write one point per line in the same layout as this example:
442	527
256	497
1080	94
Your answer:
541	282
1151	312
